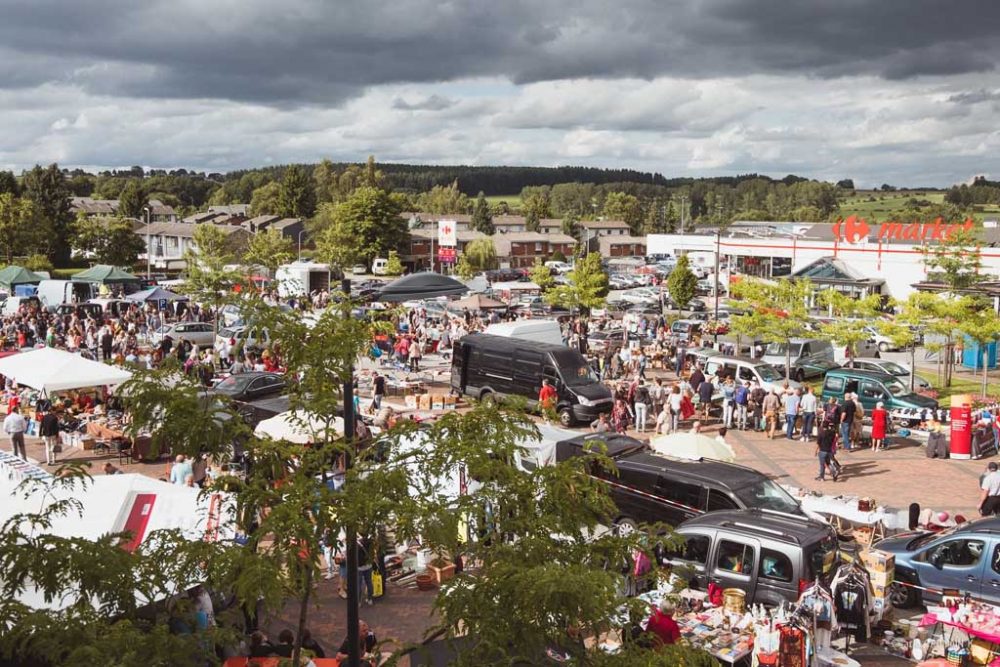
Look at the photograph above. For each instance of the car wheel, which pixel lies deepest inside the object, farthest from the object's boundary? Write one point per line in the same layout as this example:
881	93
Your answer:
566	417
883	346
625	526
487	398
902	597
800	375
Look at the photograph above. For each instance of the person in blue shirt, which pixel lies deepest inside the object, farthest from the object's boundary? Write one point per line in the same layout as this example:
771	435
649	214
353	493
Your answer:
180	470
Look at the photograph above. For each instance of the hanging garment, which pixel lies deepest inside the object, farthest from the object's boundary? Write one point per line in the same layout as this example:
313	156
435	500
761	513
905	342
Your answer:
792	649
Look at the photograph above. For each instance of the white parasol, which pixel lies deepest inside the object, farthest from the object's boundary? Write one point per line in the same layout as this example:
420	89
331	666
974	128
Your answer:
692	446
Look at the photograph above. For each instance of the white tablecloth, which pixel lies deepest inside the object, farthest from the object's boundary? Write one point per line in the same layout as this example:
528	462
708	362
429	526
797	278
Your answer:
846	507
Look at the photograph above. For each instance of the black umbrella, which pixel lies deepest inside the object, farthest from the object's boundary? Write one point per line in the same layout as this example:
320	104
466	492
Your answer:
426	285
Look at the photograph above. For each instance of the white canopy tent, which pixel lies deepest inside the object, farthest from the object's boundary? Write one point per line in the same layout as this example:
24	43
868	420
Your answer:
297	427
50	370
115	503
692	446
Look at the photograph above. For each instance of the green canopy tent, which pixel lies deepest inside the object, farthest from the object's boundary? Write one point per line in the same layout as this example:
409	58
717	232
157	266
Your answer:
17	275
105	274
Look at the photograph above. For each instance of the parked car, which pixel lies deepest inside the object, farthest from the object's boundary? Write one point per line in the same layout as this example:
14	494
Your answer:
559	267
199	333
359	269
882	342
809	357
247	338
892	368
695	305
872	387
863	349
769	555
489	367
685	329
650	488
250	386
964	558
749	370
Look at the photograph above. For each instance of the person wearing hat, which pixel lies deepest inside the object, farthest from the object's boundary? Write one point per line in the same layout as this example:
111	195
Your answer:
989	498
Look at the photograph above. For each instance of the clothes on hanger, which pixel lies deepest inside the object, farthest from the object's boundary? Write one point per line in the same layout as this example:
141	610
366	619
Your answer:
853	598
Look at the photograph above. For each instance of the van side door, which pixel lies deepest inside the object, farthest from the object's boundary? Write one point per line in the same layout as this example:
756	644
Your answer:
871	393
459	365
690	560
681	499
734	564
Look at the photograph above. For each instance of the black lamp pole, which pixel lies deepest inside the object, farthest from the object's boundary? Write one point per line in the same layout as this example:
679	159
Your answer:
351	539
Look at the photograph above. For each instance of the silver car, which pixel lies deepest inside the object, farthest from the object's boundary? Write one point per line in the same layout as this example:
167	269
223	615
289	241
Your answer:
892	368
199	333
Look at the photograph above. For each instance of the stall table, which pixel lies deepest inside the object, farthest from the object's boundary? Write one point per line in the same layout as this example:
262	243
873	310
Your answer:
141	446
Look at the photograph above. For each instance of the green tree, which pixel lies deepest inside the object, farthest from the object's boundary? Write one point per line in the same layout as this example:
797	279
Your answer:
22	230
980	323
110	241
902	331
266	200
536	205
587	288
368	220
682	284
481	255
777	312
464	268
482	221
569	224
37	262
625	207
532	223
542	276
444	200
325	178
208	280
850	315
132	200
957	261
393	266
8	183
296	194
269	248
47	189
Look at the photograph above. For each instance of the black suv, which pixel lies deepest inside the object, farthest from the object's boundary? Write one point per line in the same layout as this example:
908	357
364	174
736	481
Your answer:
771	556
651	488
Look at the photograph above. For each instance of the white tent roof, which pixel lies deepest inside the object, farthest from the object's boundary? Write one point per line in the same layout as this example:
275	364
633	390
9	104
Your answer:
110	503
300	428
49	369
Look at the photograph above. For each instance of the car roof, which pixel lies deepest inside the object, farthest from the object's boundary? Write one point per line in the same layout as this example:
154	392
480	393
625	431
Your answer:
789	528
744	360
873	360
989	524
256	374
734	475
874	375
615	443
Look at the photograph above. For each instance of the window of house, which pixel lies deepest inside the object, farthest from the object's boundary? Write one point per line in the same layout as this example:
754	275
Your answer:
538	246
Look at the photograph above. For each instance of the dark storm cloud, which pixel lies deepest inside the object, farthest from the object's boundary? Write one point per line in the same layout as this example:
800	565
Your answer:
323	52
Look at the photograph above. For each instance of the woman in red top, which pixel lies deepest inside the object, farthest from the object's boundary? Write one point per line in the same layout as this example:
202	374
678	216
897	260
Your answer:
662	626
879	417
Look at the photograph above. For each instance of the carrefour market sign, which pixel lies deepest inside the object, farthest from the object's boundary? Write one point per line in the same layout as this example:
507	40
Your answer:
853	229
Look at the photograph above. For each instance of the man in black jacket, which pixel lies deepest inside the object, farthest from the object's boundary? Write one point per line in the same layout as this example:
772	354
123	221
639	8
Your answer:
49	430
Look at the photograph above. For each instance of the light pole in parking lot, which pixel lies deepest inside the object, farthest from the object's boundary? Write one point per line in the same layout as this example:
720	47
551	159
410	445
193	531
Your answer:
149	249
715	284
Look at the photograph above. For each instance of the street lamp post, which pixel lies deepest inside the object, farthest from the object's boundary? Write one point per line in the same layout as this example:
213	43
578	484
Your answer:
149	248
715	286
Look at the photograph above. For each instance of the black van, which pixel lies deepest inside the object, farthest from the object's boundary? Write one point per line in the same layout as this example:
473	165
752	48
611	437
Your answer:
485	366
651	488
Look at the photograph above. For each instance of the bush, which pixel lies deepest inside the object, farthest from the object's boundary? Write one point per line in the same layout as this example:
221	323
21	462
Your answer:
38	263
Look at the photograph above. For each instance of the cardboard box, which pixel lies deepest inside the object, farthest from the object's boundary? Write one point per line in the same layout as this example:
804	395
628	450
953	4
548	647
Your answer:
410	402
878	561
450	402
883	579
87	442
424	402
437	402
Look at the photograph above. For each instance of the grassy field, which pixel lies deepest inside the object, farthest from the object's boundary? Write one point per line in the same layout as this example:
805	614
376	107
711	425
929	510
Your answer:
880	206
512	200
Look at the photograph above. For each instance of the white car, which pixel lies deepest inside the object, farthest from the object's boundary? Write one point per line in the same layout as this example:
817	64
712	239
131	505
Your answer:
640	296
359	269
883	342
232	338
559	267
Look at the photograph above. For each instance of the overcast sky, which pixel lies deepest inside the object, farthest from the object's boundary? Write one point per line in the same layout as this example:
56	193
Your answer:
898	91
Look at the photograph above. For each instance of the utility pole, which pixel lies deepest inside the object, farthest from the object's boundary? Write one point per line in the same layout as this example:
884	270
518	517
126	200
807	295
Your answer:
149	249
351	538
715	286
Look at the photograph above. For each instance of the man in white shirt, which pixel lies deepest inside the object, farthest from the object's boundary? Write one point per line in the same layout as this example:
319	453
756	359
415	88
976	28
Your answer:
14	426
807	408
989	499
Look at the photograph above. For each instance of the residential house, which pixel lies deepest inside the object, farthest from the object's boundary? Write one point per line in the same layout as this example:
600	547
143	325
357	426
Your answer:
233	210
423	241
259	223
167	242
518	250
108	208
418	220
605	227
617	245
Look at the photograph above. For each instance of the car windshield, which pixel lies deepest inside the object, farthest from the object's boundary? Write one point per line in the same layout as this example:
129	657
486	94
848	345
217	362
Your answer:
894	368
924	540
774	349
765	494
575	370
228	333
896	388
234	384
769	373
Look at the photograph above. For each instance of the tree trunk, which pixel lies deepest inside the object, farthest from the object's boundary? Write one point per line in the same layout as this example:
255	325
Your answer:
788	360
986	359
303	613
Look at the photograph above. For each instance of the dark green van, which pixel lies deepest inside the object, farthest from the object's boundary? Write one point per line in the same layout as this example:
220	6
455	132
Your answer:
872	387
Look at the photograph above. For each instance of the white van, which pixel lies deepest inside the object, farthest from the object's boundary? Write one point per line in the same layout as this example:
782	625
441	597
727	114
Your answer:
379	266
542	331
749	370
54	293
